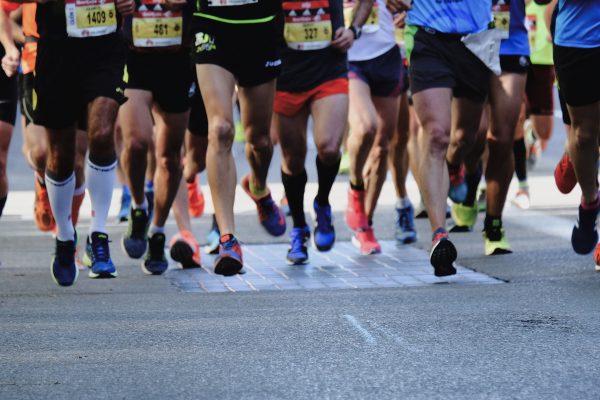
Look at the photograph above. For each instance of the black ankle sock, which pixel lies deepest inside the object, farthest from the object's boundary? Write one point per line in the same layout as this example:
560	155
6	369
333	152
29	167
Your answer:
520	159
472	181
2	203
326	174
492	223
294	190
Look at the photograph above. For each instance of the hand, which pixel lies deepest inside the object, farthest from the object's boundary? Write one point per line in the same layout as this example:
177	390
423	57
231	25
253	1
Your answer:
125	7
398	5
343	39
176	4
10	61
400	20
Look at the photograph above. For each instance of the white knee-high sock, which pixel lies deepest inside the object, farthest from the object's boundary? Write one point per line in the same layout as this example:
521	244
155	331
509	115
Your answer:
100	183
60	195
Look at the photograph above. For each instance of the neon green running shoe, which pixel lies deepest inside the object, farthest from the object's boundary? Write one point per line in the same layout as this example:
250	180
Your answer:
344	164
496	243
464	217
239	133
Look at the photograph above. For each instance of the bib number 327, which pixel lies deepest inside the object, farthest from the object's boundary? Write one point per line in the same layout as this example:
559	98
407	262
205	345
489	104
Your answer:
90	18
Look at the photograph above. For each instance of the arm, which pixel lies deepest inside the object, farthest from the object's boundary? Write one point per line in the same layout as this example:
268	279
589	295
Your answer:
344	37
10	62
398	5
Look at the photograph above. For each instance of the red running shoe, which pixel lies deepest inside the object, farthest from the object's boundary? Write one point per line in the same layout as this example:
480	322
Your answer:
564	175
355	215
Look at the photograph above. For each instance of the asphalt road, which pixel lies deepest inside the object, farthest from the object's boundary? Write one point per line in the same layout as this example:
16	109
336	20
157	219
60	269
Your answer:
533	336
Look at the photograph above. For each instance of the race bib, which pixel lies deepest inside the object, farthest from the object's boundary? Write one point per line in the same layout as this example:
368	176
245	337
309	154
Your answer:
372	23
501	12
307	24
226	3
157	28
531	24
90	18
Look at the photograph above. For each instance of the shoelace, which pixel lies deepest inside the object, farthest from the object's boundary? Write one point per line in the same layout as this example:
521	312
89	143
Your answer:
100	251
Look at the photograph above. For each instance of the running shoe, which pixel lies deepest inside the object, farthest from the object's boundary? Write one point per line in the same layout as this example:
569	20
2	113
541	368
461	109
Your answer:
97	256
482	198
240	136
212	239
344	164
76	205
405	225
495	242
155	262
366	242
42	212
564	175
597	257
521	199
443	254
585	232
63	268
421	211
355	215
534	153
269	215
123	215
285	206
134	241
195	199
324	235
298	253
185	250
458	186
229	262
464	217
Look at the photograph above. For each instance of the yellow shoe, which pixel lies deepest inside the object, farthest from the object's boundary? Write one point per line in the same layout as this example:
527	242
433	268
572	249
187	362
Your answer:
464	216
239	137
496	247
344	164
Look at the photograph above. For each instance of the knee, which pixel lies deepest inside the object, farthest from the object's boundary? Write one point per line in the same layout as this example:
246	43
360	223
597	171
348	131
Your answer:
365	128
380	150
37	155
169	162
136	146
259	139
329	154
582	139
221	133
102	136
438	140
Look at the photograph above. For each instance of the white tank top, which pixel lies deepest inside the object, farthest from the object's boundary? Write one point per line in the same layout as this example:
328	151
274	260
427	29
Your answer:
378	33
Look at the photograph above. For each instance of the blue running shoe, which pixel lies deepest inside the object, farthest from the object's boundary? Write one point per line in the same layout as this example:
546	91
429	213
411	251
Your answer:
155	262
585	232
458	187
63	268
125	204
298	253
134	241
269	214
212	239
405	226
230	261
324	236
97	256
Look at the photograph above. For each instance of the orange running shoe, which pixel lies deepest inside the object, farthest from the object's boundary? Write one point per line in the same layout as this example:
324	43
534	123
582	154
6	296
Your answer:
564	175
366	242
77	201
185	250
195	199
355	215
42	212
597	257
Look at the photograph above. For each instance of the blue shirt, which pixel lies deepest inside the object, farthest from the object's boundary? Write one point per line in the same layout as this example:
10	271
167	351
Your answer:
451	16
517	43
578	23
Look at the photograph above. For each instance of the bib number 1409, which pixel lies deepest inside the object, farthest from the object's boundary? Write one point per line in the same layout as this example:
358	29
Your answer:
90	18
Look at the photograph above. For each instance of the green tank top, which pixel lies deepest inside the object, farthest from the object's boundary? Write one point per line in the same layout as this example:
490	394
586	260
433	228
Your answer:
541	47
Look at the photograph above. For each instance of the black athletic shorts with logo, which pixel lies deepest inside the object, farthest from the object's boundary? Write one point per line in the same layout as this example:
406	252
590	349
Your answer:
249	51
167	75
578	73
71	72
441	60
198	123
514	64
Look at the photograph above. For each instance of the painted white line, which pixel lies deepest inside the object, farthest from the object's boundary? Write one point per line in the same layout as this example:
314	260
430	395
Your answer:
370	339
396	338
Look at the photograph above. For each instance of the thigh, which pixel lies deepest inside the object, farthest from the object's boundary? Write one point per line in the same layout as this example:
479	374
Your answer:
292	139
362	114
135	118
433	109
387	117
256	106
466	116
506	97
170	130
217	86
329	116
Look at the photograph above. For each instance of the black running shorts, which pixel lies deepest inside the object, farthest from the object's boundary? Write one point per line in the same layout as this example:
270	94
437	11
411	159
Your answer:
578	74
8	96
198	124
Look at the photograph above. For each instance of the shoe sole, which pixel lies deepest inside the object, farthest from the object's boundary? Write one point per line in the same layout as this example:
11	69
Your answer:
54	279
228	266
461	229
356	243
146	271
442	258
408	240
102	275
499	251
183	254
300	262
597	268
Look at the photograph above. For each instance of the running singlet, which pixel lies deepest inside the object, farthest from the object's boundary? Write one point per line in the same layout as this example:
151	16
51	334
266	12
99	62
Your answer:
373	42
456	16
541	47
77	18
238	11
578	23
517	43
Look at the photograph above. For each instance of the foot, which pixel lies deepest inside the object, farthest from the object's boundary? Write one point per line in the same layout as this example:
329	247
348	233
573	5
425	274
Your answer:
355	215
185	250
564	175
597	257
97	256
212	239
155	262
195	199
63	268
585	233
458	186
464	217
285	206
229	262
443	254
269	215
405	225
495	242
521	199
42	212
298	253
134	241
125	205
366	242
324	235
